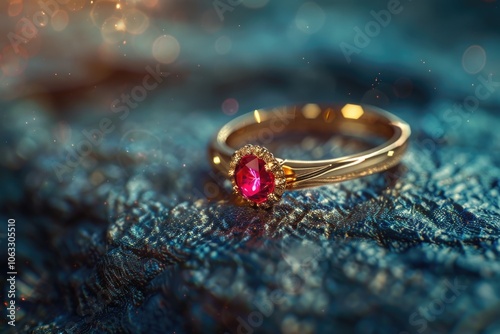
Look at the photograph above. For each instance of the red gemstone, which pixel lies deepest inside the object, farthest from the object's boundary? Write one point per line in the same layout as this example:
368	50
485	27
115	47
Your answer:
252	179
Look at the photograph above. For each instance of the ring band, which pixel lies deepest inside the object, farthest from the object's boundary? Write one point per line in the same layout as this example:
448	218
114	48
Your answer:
260	179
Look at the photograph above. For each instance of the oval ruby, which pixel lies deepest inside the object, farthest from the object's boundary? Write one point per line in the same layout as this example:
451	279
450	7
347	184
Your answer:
252	179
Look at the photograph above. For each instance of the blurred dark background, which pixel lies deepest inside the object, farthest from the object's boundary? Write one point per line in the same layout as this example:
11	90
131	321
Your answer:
147	83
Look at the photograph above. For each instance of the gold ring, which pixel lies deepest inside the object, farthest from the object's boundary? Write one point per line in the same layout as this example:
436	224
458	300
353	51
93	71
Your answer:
260	179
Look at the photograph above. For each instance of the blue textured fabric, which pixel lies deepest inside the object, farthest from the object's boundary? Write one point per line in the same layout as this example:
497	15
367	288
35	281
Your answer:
140	236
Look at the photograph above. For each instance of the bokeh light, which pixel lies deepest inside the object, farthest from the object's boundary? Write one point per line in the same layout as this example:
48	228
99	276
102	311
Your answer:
310	18
136	22
223	45
166	49
102	10
113	30
60	20
474	59
230	106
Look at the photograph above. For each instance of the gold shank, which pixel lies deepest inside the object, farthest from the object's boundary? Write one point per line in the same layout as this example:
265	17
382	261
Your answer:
353	120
